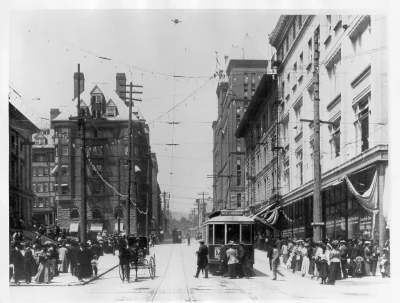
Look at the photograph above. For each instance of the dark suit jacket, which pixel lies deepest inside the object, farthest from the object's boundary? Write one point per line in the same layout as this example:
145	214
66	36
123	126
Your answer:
29	260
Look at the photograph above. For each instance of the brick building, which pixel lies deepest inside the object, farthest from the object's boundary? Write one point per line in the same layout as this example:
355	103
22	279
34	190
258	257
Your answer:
106	165
234	91
43	177
21	196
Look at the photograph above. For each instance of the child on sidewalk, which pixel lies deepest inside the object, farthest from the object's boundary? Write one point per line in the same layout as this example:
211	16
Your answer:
94	264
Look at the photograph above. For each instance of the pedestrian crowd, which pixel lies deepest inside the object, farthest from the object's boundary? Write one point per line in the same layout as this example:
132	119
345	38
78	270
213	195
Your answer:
329	260
35	261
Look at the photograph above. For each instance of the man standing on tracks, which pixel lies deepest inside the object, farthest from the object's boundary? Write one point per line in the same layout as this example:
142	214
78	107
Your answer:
202	259
188	239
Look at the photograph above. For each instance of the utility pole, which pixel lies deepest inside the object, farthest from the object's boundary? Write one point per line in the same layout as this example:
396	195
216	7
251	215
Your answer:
130	142
317	215
202	208
147	195
82	130
164	214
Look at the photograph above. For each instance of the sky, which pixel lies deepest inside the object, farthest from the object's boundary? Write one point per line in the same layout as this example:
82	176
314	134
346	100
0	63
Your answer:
46	47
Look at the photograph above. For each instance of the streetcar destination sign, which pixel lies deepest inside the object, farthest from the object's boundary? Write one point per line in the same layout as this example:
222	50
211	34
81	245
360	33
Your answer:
231	213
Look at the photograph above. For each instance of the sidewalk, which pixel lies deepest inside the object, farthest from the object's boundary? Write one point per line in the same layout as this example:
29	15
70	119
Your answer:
106	263
262	265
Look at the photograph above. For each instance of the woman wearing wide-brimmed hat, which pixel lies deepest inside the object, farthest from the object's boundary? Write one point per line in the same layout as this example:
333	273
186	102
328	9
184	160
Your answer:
334	272
232	255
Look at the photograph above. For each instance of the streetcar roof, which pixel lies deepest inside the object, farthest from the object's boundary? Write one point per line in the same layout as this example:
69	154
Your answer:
229	219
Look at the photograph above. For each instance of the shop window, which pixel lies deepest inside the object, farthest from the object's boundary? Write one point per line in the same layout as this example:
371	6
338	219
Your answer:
74	213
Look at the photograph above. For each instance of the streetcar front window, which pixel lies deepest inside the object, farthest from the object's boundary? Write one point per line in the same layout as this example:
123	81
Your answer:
233	232
210	234
219	231
246	233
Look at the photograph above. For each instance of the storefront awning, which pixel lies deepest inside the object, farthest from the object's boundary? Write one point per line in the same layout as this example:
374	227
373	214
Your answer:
121	226
266	208
54	170
74	227
97	227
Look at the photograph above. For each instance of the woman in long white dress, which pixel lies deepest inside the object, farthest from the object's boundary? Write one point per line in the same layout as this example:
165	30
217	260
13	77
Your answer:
305	264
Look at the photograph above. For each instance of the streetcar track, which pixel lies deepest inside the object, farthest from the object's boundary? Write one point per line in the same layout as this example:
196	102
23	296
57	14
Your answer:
153	295
184	274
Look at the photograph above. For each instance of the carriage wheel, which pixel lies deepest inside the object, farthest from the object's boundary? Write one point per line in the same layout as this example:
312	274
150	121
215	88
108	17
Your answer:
152	267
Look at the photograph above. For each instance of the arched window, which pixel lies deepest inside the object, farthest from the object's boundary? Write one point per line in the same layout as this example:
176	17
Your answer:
121	213
96	214
74	214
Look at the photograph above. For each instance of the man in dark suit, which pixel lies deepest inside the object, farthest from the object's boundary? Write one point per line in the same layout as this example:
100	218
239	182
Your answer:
29	263
202	259
18	262
95	248
124	258
81	259
343	257
72	257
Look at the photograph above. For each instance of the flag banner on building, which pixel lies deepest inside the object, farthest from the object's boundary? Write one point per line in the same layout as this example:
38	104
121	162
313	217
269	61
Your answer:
369	199
387	214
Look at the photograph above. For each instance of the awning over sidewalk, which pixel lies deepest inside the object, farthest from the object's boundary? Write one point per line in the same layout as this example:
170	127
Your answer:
74	227
97	227
263	211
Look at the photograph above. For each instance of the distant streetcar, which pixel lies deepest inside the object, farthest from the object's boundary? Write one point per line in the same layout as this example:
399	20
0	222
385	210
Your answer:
177	236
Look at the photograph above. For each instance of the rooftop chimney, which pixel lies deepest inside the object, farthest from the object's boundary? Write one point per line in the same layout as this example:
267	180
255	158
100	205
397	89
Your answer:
120	85
82	84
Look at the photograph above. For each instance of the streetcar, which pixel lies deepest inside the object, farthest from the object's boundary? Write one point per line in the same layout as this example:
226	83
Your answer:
225	226
177	236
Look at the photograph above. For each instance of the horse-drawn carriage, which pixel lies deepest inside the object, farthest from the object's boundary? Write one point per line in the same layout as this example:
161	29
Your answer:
139	251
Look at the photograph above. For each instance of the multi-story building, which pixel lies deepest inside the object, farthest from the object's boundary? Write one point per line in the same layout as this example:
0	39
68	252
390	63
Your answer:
21	196
43	177
259	129
107	142
234	91
348	53
155	219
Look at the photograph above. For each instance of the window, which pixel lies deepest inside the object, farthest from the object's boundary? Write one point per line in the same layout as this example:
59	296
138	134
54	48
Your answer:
45	187
285	131
62	132
34	171
51	187
298	124
95	133
295	71
64	150
111	111
334	76
238	172
56	150
96	214
239	199
97	188
45	171
363	42
64	169
335	138
39	158
253	78
118	213
97	150
362	123
237	116
299	166
286	175
328	25
98	98
12	142
219	234
310	51
34	187
64	189
21	147
246	79
40	201
233	232
74	214
40	187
